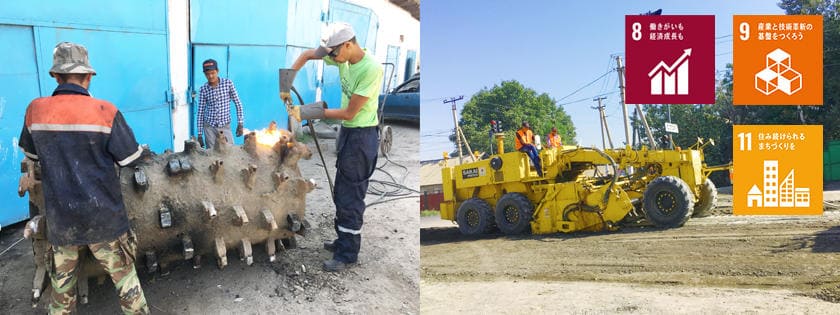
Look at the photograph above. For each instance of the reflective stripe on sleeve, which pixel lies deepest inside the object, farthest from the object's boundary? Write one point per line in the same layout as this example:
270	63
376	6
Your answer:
66	127
132	157
30	155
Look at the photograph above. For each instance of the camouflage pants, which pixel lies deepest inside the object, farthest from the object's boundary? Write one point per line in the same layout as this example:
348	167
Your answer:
116	257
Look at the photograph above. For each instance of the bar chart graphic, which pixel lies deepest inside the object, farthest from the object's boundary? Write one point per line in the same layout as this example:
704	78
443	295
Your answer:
670	79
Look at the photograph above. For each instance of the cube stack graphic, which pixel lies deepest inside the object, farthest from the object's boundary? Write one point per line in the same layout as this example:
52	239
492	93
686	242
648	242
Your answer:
778	75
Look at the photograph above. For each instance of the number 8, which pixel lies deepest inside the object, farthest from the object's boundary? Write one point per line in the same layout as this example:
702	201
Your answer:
637	31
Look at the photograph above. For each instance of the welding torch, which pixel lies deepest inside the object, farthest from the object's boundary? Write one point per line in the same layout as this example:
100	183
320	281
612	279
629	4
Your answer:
287	76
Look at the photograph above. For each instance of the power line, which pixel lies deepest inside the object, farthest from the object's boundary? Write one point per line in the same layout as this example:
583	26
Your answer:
435	131
587	98
607	80
587	85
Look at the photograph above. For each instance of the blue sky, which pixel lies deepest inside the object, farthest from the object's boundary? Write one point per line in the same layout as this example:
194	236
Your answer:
553	47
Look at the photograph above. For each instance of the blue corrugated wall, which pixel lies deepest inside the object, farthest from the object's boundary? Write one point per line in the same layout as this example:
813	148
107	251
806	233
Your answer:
366	25
128	46
304	32
251	41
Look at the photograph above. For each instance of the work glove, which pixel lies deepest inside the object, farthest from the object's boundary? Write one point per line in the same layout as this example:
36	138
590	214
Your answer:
309	111
238	130
287	77
286	97
200	140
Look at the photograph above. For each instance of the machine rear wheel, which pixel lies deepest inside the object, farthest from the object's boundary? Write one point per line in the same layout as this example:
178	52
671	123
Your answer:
668	202
474	217
707	200
513	213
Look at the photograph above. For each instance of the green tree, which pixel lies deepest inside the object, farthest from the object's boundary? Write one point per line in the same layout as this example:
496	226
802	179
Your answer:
829	114
695	121
511	103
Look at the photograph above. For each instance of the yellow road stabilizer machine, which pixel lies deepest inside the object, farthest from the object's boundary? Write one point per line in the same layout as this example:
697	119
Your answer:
582	189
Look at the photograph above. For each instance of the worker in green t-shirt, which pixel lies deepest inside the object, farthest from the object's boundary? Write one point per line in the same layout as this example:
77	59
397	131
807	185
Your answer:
361	79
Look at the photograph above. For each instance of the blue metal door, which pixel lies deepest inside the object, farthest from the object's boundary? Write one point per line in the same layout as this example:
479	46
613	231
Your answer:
128	46
304	32
366	25
248	39
132	71
254	71
410	66
390	76
19	75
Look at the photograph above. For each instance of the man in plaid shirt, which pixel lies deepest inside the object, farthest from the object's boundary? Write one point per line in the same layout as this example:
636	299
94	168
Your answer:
214	107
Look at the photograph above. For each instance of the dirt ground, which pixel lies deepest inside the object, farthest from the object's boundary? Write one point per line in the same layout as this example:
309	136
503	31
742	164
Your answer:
385	281
712	265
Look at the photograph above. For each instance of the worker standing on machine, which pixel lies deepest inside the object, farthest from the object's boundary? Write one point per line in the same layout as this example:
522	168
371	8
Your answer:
361	79
525	143
78	141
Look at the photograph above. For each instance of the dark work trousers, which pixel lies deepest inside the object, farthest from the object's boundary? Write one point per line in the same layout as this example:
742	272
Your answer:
531	150
357	153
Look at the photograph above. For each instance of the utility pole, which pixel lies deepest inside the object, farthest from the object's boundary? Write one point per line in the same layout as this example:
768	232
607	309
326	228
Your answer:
600	120
467	144
457	129
603	119
636	135
801	114
623	99
647	128
624	107
670	136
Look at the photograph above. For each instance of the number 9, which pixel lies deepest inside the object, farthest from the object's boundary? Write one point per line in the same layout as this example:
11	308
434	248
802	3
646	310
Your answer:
744	27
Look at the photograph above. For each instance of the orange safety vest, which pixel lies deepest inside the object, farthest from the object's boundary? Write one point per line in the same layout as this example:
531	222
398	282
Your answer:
525	135
554	140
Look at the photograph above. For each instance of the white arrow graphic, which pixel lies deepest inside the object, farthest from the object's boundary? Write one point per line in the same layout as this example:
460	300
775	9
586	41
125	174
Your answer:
663	76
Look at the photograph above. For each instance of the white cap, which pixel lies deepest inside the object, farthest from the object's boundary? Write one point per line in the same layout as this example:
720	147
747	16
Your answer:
337	34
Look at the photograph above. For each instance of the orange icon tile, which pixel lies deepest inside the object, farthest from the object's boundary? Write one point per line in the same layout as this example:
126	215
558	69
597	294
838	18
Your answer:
777	60
779	170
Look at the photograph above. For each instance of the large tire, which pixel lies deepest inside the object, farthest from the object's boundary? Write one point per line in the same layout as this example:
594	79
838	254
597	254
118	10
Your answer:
707	200
513	213
668	202
474	217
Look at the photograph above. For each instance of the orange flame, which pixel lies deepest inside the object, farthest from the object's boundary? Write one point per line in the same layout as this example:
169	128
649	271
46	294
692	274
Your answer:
271	135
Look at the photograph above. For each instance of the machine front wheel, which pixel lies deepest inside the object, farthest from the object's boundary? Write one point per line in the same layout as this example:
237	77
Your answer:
474	217
513	213
668	202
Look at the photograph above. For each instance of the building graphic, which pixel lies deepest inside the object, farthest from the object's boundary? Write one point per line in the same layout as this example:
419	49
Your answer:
786	191
771	184
778	75
754	197
670	79
778	194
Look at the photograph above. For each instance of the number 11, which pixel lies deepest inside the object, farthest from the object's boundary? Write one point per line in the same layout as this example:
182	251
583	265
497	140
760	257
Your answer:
748	141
